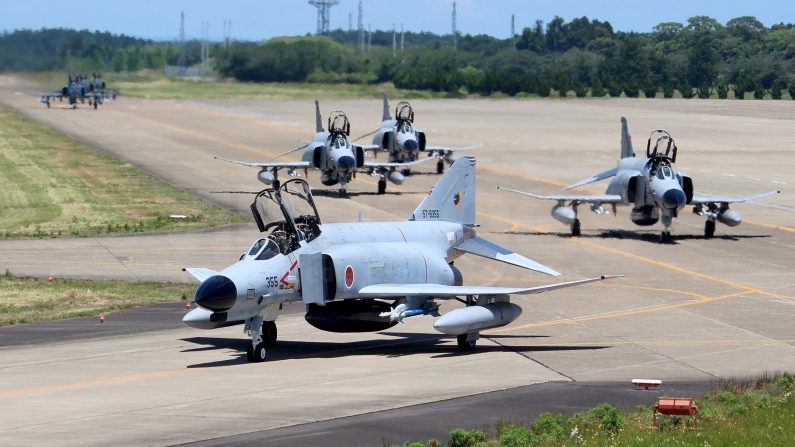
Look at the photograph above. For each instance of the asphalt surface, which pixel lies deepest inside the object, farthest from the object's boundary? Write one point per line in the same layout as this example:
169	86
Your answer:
479	412
691	312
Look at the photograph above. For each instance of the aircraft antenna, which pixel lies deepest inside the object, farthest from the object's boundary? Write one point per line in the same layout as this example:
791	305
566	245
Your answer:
323	14
361	27
513	32
455	28
181	60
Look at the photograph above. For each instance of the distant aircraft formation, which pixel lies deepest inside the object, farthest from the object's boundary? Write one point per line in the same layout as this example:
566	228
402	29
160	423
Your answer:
81	88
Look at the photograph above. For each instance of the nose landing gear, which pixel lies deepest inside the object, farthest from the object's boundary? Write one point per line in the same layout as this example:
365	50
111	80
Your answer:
263	334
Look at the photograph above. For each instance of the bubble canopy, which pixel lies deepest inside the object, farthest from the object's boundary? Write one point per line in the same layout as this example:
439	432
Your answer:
288	213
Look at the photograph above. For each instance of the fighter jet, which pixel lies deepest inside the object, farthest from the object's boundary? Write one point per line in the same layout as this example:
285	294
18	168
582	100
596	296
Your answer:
362	277
74	90
651	186
97	85
403	142
332	154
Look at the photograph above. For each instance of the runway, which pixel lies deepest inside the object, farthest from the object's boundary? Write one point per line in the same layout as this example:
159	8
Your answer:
690	312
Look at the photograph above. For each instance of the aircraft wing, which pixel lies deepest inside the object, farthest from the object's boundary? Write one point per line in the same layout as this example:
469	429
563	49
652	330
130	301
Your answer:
601	176
718	199
487	249
370	147
440	291
375	164
592	198
453	149
200	273
270	164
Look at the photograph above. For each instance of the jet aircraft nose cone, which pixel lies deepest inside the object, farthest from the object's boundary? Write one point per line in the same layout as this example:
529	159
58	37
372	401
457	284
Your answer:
217	293
411	144
346	161
674	198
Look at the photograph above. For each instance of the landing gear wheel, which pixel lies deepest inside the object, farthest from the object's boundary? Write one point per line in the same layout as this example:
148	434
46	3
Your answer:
464	344
250	353
95	105
381	187
276	184
269	333
709	229
258	352
48	104
343	194
575	227
439	166
406	172
665	237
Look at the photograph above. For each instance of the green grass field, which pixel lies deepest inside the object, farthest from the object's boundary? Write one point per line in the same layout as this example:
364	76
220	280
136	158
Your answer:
25	300
52	185
150	84
748	413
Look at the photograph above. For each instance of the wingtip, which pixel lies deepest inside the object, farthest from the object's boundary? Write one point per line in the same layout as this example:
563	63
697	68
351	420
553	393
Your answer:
612	276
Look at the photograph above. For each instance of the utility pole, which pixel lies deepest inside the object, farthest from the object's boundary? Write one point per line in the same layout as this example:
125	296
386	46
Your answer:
394	40
455	29
401	37
513	32
369	39
361	27
181	60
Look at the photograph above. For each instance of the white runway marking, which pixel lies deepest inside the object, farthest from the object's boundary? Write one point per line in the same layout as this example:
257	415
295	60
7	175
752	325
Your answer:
752	178
728	175
780	183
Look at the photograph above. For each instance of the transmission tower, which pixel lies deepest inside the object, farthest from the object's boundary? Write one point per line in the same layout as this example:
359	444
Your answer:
455	29
181	60
394	40
361	27
369	39
401	37
323	14
227	33
205	48
513	32
350	22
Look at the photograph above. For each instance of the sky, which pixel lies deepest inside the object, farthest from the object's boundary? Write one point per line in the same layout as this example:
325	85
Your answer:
262	19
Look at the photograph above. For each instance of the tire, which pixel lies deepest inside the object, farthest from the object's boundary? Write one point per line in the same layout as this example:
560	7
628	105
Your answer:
269	333
709	229
95	105
465	345
440	167
575	227
406	172
381	187
250	353
276	184
259	353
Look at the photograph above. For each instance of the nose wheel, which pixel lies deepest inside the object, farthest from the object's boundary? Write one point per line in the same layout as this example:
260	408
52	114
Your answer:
665	237
263	334
709	229
440	166
381	186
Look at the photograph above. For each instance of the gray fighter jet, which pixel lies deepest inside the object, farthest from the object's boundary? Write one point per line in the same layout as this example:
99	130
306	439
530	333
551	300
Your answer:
361	277
403	142
651	186
74	90
330	152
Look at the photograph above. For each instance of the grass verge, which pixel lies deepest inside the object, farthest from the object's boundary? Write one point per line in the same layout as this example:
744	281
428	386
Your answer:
25	300
150	84
758	412
52	185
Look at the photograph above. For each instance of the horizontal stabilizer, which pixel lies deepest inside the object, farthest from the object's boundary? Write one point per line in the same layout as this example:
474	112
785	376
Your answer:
601	176
200	273
375	164
453	149
481	247
440	291
592	198
718	199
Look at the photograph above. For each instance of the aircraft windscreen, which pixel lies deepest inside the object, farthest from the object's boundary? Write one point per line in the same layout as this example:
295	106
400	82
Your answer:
269	208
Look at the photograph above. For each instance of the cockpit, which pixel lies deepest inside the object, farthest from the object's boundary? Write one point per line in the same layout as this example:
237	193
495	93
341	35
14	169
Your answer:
341	143
407	128
664	173
288	215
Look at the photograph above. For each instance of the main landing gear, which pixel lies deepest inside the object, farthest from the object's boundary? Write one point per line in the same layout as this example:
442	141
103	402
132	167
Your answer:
575	227
440	166
709	229
263	334
467	342
381	186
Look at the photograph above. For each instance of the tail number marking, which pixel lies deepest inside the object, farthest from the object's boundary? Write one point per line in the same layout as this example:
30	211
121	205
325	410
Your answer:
430	214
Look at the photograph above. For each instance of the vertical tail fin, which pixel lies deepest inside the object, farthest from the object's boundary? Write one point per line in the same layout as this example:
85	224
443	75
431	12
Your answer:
626	140
318	118
452	199
387	113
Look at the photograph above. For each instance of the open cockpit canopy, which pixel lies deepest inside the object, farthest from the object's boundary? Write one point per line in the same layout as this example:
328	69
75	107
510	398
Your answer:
288	214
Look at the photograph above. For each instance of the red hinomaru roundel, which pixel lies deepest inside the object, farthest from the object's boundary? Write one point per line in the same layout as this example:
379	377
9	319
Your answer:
349	277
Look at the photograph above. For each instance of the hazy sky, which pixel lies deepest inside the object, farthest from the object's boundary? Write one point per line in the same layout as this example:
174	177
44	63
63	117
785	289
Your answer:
262	19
